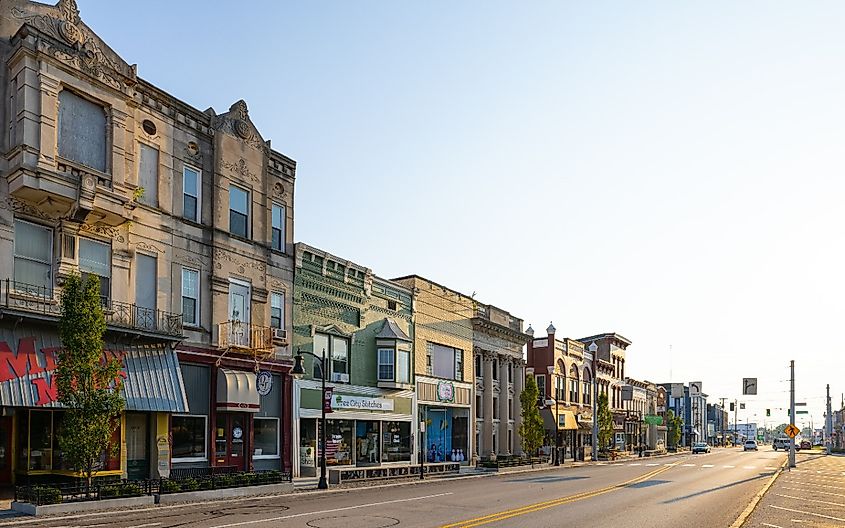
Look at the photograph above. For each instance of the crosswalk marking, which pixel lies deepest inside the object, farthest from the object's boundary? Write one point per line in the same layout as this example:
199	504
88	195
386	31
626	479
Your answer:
707	465
729	467
688	465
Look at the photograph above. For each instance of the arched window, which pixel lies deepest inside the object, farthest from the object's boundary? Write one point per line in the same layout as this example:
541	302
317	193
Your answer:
588	397
560	383
573	384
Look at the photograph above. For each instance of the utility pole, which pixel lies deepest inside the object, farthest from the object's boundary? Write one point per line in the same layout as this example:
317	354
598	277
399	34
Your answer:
721	421
736	425
828	423
792	411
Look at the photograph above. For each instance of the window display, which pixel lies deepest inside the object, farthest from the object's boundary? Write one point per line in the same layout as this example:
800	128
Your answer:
338	442
266	436
188	437
367	443
396	441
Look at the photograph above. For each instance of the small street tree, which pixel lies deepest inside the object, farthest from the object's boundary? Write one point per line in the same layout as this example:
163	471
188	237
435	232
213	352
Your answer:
605	419
88	383
531	429
674	424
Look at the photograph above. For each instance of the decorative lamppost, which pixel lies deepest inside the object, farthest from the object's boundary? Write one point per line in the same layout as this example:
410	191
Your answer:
593	348
298	371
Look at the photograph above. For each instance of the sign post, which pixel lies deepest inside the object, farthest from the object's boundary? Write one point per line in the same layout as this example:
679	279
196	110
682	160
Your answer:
422	449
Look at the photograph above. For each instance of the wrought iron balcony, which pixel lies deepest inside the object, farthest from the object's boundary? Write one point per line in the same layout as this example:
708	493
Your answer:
44	301
237	334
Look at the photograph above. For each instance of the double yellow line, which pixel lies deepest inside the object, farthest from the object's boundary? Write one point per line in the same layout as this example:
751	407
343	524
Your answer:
531	508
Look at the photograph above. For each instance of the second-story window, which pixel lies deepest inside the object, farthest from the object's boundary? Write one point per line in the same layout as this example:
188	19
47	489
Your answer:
82	131
95	259
541	385
277	310
386	364
148	175
146	290
278	235
238	211
337	356
394	365
191	185
190	297
33	253
445	361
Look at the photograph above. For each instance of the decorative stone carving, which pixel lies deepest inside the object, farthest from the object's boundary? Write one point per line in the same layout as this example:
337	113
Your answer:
104	231
221	254
190	260
144	246
237	123
241	169
25	208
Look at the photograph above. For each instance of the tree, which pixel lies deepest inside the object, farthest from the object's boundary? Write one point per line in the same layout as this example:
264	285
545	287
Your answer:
605	419
88	383
674	424
531	430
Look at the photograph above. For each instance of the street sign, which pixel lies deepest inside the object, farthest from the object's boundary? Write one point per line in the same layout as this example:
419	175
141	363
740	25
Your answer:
802	404
791	431
802	412
749	386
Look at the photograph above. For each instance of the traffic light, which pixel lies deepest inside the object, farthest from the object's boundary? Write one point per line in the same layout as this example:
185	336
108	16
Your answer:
732	406
768	412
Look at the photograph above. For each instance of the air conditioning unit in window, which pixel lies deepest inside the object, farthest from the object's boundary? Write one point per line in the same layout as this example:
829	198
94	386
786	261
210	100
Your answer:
280	334
340	377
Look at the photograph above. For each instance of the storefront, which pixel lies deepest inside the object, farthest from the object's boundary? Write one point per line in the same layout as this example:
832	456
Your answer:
445	408
31	416
367	427
234	416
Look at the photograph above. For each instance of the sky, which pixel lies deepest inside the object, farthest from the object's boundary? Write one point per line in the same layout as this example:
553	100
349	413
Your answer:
669	171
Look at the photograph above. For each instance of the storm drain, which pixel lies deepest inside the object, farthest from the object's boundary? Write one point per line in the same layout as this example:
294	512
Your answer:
353	521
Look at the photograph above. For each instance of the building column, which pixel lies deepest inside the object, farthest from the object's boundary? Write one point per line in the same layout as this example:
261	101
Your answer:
518	387
504	362
487	403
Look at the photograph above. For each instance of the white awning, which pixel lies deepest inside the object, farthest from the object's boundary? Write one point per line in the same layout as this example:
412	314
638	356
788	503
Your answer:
237	391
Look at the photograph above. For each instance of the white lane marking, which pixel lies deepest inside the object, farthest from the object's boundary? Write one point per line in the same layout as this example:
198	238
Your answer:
687	465
771	525
817	491
671	464
729	467
144	525
806	513
635	464
810	500
272	519
652	464
707	465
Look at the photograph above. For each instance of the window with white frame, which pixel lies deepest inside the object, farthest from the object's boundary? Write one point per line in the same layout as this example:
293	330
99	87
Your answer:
33	255
277	310
238	211
386	364
82	131
541	385
191	187
190	297
403	366
95	260
189	437
278	235
337	356
148	174
265	437
445	361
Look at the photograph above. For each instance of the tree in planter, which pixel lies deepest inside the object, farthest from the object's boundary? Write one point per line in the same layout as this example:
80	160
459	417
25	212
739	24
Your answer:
605	422
674	425
531	430
88	383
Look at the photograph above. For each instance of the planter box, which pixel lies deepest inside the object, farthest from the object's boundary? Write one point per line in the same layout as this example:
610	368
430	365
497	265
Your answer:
94	505
206	495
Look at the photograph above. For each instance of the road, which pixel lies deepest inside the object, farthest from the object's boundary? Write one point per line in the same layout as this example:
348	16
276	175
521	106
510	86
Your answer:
707	491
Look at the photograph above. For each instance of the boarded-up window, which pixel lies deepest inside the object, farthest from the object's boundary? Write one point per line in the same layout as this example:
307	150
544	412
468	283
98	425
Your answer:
148	175
82	131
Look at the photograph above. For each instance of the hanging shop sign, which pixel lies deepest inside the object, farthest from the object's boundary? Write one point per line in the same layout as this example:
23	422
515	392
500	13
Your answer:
445	391
327	399
264	382
342	401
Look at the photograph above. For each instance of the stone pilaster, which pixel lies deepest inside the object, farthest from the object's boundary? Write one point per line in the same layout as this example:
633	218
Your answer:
487	403
504	361
518	387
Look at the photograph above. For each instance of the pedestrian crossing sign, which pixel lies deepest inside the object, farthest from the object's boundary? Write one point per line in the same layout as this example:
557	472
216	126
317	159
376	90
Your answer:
791	431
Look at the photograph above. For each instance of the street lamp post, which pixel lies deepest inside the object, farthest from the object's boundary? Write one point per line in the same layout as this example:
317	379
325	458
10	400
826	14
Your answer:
298	371
594	456
557	421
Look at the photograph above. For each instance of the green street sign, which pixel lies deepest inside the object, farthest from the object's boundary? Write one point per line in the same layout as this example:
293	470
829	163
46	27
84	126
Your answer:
652	419
802	412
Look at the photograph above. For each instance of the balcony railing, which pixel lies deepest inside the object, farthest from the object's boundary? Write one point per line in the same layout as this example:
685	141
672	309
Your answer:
237	334
45	301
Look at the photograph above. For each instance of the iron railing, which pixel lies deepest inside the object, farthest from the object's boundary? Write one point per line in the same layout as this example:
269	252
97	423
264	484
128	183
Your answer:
44	300
237	334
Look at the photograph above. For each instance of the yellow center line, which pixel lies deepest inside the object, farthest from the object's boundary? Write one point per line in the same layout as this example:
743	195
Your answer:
531	508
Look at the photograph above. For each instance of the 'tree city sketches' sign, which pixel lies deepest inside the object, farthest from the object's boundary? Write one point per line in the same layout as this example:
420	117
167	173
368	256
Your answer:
342	401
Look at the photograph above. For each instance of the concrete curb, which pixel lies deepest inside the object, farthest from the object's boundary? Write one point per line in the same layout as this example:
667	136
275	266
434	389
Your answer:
76	507
746	513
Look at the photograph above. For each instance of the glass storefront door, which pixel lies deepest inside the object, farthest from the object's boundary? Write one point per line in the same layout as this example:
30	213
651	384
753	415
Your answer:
6	450
137	455
230	440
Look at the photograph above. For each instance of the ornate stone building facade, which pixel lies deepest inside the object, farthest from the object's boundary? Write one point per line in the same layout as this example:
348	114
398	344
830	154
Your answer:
609	365
498	342
187	218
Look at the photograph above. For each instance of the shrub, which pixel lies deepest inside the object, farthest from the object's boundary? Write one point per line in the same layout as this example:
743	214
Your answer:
189	484
46	495
169	486
110	491
224	481
130	489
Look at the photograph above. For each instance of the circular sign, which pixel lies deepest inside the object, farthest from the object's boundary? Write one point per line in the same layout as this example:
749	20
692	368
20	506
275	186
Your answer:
264	383
237	433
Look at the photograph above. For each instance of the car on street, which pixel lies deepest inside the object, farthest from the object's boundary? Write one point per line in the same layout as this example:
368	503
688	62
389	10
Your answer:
781	443
749	445
700	447
805	444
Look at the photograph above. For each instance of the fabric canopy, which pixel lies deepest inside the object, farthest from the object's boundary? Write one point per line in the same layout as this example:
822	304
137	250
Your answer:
237	390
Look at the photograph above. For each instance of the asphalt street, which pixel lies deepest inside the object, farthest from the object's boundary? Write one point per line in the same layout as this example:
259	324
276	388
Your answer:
708	490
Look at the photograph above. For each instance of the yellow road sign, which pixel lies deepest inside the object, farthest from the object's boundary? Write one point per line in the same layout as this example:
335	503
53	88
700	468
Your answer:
791	431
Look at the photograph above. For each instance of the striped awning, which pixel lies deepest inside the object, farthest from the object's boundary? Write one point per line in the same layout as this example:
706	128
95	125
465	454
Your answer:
152	379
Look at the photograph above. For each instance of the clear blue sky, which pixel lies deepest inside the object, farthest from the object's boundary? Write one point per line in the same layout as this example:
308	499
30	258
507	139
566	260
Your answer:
669	171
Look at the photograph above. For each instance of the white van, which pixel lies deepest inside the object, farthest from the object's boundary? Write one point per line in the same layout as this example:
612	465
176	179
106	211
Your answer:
781	443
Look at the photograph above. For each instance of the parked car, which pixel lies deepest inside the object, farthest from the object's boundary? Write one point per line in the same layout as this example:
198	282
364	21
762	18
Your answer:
781	443
805	444
700	447
749	445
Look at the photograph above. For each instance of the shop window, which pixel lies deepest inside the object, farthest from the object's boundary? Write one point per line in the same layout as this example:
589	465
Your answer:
191	187
338	442
95	260
40	440
238	211
266	437
189	438
190	297
82	131
397	441
367	442
308	444
33	255
148	174
278	235
444	361
277	310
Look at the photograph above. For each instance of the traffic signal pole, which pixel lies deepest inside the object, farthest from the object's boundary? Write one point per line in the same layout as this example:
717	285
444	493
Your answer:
792	411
